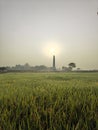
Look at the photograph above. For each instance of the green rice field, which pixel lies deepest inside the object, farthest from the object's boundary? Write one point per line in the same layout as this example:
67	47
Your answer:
49	101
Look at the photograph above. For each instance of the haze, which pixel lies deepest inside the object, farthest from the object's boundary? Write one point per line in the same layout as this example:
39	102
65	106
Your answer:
28	28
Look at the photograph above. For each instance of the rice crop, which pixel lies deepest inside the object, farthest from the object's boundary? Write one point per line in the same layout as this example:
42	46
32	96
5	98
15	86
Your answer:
49	101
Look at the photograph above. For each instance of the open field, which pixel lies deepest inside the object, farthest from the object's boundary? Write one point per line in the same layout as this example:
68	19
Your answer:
49	101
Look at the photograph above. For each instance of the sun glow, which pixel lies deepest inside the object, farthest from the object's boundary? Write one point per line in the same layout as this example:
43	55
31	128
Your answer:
51	48
52	51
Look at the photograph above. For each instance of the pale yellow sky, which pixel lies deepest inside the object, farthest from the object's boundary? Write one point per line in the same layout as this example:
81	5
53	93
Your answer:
28	28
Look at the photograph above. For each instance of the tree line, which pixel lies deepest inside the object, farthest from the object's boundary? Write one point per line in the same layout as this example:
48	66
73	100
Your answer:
27	67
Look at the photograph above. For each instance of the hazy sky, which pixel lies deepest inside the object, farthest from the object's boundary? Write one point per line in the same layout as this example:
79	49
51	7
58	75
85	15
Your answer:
30	28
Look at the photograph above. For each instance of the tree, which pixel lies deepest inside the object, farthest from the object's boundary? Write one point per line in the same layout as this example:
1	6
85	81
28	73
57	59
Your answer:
72	65
3	69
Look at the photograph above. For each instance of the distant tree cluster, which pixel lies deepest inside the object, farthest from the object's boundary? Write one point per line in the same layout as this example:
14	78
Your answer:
70	67
25	67
3	69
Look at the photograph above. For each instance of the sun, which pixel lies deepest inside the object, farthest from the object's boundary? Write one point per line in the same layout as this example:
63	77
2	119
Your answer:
52	51
51	48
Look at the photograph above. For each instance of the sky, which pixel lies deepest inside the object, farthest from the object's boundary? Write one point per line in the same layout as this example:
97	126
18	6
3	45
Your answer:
30	29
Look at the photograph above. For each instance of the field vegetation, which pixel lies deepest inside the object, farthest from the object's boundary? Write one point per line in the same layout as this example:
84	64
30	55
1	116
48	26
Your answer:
49	101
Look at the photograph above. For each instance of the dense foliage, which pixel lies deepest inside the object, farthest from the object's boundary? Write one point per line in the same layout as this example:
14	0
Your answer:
49	101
